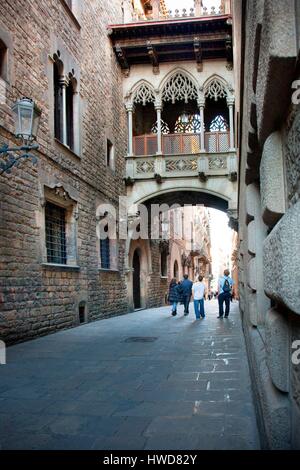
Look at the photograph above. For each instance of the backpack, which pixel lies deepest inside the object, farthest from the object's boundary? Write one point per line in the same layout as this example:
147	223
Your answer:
226	287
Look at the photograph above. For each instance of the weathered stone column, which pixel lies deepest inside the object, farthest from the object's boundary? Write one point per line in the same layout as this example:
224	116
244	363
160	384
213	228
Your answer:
129	109
158	119
230	103
64	83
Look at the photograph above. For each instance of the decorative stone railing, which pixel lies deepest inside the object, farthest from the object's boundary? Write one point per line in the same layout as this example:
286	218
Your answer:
189	165
183	13
180	143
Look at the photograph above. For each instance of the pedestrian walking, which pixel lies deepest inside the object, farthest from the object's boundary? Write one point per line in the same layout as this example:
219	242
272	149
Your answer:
225	289
186	285
174	296
199	290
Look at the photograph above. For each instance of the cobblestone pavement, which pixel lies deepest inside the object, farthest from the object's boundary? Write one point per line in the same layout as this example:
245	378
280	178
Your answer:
141	381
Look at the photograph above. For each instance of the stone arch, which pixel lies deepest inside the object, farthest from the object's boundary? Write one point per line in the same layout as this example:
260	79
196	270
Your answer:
216	87
142	92
178	84
187	195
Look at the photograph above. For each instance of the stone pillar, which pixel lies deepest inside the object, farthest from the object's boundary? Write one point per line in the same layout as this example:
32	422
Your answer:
155	9
129	109
230	103
197	7
158	119
201	105
64	84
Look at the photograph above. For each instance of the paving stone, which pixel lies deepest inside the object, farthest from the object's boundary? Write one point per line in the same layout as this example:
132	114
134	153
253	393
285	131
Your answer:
189	390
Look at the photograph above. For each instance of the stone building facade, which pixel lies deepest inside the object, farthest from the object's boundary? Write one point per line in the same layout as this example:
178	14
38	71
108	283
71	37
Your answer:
76	172
71	59
266	36
190	244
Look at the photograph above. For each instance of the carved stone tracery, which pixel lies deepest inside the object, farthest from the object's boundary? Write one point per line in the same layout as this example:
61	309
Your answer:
215	90
144	95
179	87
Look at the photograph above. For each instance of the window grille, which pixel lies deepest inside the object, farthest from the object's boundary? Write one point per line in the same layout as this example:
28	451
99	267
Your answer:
218	124
188	123
164	128
55	234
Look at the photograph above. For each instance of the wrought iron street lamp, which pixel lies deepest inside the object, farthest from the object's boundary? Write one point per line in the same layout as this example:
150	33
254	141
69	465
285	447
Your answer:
27	117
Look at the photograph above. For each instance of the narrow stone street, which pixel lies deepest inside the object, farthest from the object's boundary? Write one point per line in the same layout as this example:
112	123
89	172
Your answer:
140	381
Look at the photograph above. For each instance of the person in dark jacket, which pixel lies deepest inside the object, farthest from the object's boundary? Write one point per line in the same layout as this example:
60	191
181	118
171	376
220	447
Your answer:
174	296
186	293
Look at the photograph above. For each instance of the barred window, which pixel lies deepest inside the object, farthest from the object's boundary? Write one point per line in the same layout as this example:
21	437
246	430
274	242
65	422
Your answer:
55	234
105	252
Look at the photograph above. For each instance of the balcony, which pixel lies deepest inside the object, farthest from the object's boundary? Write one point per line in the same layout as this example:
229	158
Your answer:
189	164
181	144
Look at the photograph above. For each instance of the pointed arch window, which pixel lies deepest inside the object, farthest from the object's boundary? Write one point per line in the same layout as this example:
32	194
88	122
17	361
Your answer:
70	115
58	104
219	124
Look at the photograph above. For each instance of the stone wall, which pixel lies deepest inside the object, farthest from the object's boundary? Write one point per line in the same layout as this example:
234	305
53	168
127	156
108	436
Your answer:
37	298
269	213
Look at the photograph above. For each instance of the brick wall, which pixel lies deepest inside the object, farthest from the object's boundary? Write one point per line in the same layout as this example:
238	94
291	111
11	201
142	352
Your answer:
37	299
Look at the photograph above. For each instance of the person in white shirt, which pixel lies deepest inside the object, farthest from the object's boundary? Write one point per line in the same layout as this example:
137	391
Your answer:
199	290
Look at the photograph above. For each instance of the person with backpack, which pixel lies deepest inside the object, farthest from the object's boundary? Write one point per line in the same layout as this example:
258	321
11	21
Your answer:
225	289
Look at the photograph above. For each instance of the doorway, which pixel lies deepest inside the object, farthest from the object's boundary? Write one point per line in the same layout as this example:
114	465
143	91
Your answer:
136	264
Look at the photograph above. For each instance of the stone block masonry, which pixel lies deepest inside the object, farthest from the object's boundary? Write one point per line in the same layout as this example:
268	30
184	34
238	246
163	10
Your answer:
269	214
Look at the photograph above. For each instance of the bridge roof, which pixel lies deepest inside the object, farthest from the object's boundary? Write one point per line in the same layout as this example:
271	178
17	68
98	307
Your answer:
171	40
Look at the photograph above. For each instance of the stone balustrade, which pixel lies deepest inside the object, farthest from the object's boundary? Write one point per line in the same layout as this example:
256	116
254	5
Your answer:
191	165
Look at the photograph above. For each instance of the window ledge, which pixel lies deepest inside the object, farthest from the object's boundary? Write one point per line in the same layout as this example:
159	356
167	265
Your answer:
71	14
66	148
69	267
104	270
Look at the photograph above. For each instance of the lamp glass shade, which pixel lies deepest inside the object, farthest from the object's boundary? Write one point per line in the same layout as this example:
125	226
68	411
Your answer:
27	117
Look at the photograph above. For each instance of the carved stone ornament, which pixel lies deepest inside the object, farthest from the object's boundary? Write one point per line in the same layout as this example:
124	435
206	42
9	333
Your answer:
179	87
144	95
